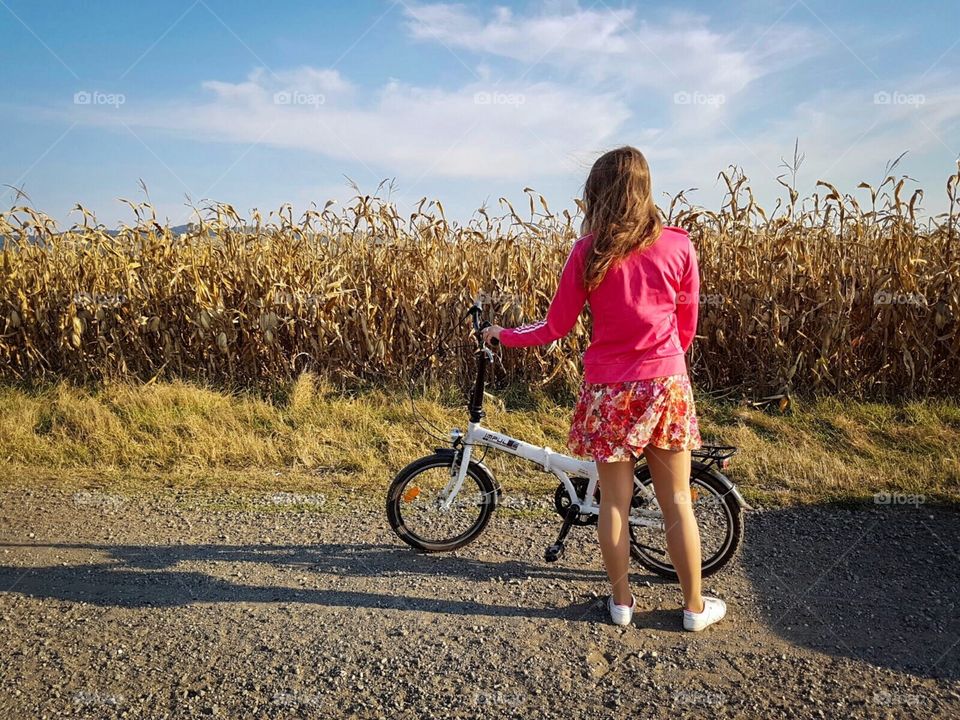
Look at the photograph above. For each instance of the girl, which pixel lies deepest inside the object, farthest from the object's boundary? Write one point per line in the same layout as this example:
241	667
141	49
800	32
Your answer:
642	282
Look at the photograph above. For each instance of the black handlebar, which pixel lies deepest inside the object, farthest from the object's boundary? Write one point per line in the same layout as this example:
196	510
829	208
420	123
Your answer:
484	357
478	326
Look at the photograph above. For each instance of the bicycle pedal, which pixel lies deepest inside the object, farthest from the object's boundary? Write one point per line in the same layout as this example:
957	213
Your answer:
553	553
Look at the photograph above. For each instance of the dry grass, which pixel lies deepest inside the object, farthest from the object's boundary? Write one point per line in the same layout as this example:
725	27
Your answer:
129	438
822	295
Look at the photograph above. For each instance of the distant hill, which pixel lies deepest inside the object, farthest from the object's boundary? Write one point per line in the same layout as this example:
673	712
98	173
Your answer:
176	230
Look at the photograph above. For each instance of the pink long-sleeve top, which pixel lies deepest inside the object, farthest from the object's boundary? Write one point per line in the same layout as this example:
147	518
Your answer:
644	311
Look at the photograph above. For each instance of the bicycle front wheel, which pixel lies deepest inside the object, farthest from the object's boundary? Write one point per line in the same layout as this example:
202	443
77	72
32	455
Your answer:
415	505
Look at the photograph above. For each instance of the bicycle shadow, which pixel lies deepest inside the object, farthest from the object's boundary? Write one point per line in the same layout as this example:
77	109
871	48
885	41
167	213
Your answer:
875	584
355	559
143	576
107	586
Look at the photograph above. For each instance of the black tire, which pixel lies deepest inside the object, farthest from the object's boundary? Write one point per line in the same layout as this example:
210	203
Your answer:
478	497
718	550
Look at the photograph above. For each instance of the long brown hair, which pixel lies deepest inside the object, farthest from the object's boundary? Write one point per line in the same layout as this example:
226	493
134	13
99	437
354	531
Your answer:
619	211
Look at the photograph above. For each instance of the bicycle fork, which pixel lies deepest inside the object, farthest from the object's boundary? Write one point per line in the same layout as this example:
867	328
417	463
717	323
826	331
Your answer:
458	473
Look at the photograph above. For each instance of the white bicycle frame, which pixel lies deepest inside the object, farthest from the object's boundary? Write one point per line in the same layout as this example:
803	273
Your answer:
560	465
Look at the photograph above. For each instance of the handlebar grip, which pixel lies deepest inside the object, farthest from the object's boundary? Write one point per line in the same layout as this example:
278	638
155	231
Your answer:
485	324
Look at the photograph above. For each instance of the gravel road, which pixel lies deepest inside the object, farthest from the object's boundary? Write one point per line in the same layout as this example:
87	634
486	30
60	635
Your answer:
172	607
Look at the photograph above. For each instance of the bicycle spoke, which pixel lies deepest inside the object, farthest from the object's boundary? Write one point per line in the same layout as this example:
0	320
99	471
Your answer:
423	512
712	520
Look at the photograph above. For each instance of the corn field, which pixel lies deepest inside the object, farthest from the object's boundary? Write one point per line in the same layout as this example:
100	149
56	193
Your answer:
823	294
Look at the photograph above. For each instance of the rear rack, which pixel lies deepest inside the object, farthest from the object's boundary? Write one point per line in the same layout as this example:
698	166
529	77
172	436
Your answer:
715	453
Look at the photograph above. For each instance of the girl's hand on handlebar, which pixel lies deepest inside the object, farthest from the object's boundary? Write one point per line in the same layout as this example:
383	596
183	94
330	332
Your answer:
491	332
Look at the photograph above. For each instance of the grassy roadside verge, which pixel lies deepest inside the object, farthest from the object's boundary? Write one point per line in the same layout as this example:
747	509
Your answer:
177	437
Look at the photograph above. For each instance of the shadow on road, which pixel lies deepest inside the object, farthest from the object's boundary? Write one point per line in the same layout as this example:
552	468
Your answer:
876	584
141	576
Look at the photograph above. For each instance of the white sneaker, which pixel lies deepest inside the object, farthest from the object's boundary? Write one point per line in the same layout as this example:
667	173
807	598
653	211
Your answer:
713	609
621	614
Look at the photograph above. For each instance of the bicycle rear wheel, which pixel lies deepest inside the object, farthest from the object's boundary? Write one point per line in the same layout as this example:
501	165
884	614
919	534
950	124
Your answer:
414	504
719	519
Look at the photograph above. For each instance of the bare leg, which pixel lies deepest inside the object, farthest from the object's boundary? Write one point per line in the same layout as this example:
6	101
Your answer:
671	482
616	491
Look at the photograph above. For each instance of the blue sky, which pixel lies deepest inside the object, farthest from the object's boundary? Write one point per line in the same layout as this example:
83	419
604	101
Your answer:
258	104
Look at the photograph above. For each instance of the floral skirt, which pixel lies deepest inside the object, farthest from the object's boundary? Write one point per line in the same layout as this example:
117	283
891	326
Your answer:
616	421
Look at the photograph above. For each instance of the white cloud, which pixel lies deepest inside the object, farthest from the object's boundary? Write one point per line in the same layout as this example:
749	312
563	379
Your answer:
481	129
509	128
679	52
614	79
307	80
845	135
